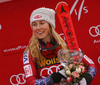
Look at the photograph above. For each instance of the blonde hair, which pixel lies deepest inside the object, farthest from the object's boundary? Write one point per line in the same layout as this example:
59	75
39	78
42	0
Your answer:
34	44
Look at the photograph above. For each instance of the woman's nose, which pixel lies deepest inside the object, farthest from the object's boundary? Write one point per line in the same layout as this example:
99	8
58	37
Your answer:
38	26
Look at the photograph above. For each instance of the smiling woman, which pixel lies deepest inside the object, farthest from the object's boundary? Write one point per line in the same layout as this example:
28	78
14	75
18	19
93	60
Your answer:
40	60
43	48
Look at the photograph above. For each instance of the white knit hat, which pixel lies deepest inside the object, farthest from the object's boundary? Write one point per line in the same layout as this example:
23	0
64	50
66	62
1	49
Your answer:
43	13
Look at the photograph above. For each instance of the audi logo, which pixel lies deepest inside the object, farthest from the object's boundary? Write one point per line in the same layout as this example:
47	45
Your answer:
0	26
99	59
49	70
17	79
62	35
94	31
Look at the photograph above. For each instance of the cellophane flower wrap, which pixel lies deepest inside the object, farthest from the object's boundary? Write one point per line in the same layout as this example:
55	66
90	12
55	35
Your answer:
74	68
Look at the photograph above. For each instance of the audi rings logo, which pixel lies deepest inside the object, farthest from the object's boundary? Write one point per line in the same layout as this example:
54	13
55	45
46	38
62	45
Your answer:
49	70
62	35
94	31
17	79
0	26
99	59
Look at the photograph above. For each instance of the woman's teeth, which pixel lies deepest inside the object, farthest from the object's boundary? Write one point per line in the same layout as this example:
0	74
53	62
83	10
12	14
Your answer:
40	32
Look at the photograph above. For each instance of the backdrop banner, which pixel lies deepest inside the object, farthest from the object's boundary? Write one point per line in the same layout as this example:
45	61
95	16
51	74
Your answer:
15	32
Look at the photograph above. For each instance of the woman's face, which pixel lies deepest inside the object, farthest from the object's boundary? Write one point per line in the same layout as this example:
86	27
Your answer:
41	30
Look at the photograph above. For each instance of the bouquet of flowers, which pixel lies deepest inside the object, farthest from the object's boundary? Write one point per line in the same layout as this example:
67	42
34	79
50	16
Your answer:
71	61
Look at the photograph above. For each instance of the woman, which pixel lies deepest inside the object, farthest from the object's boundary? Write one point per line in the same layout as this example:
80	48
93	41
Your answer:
41	64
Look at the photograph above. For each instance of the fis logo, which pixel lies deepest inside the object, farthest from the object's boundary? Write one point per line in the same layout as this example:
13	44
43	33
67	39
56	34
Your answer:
82	8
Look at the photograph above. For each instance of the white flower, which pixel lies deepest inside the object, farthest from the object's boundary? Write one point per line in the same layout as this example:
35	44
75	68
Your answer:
68	72
66	67
78	70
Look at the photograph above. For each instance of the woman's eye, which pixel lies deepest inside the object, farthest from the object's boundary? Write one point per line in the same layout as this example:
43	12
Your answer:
42	22
34	24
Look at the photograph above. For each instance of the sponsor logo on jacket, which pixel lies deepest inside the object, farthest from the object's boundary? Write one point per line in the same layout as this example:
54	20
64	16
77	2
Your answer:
47	62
